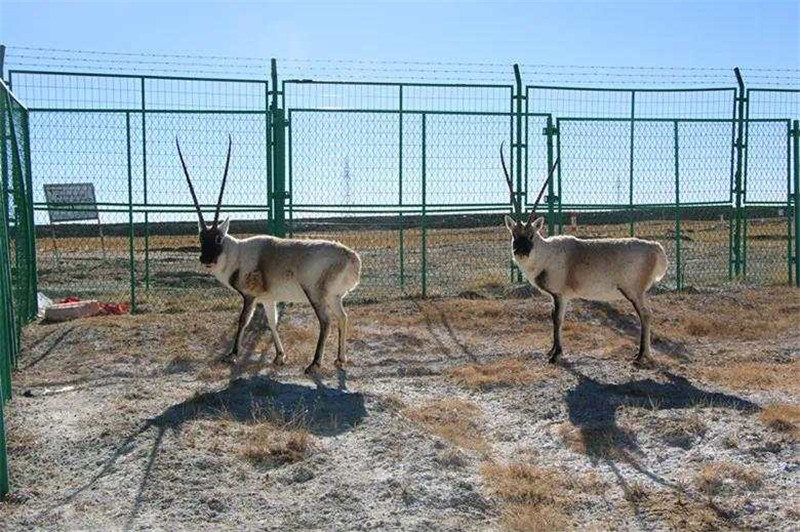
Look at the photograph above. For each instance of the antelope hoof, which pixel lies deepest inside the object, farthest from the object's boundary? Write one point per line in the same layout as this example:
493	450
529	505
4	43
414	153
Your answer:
280	359
340	363
229	357
642	361
553	354
312	369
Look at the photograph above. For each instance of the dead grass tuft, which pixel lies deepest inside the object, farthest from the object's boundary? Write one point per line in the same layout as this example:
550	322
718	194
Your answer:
599	442
269	445
720	477
783	418
534	518
536	498
683	431
699	326
756	375
505	372
679	511
455	420
635	493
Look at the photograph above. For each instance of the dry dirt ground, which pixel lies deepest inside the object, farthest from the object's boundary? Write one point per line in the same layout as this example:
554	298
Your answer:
448	418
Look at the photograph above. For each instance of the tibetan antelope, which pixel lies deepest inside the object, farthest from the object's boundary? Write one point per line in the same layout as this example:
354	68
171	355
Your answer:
604	269
268	270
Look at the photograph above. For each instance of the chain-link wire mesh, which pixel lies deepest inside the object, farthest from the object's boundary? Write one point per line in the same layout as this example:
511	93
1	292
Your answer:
406	173
118	134
17	248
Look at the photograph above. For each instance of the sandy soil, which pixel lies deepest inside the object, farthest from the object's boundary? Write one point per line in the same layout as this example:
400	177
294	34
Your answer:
448	418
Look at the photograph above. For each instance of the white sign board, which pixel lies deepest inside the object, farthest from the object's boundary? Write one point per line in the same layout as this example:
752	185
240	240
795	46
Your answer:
71	195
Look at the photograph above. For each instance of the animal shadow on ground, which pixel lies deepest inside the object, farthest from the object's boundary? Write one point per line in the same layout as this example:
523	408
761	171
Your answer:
321	411
592	409
629	324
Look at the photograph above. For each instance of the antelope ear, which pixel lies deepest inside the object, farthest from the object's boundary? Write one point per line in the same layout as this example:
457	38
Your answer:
510	222
223	227
537	225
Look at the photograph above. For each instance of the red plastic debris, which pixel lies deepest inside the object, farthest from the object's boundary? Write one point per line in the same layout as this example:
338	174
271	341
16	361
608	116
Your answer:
107	308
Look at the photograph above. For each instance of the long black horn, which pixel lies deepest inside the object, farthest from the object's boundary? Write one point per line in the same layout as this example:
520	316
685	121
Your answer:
224	177
541	191
188	180
508	177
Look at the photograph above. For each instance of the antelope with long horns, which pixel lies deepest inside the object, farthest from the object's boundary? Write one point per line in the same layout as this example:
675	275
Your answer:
268	270
604	269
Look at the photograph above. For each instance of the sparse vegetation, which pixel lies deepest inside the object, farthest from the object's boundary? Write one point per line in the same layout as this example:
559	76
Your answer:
783	418
683	430
441	406
602	441
504	372
536	498
455	420
718	477
269	445
756	375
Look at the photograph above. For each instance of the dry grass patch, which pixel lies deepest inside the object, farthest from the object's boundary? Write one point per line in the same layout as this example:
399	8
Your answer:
535	498
720	477
505	372
756	375
678	510
455	420
269	445
783	418
609	442
699	326
682	431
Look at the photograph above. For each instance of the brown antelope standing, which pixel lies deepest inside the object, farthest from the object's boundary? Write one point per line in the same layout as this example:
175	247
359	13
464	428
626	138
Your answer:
603	269
267	270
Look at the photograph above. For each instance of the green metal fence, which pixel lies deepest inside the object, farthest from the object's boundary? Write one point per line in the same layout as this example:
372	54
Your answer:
406	173
17	249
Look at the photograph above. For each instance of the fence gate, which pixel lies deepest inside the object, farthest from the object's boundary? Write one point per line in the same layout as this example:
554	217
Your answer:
408	174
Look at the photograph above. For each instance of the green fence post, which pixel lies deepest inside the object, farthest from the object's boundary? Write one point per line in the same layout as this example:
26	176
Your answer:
789	211
33	276
21	282
519	144
279	157
144	191
549	131
630	165
130	212
400	189
796	165
737	235
4	485
558	177
424	213
268	157
517	164
678	266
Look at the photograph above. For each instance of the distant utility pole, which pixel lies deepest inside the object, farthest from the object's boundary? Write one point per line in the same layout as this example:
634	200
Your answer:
346	176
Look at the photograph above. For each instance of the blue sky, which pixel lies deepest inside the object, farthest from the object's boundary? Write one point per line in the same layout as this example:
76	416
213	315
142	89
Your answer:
644	33
719	34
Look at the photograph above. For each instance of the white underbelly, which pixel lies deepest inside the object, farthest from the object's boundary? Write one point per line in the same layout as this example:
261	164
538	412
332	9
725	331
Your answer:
597	292
286	293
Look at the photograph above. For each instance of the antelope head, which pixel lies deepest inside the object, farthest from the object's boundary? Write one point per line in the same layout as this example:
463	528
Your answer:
212	236
524	234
